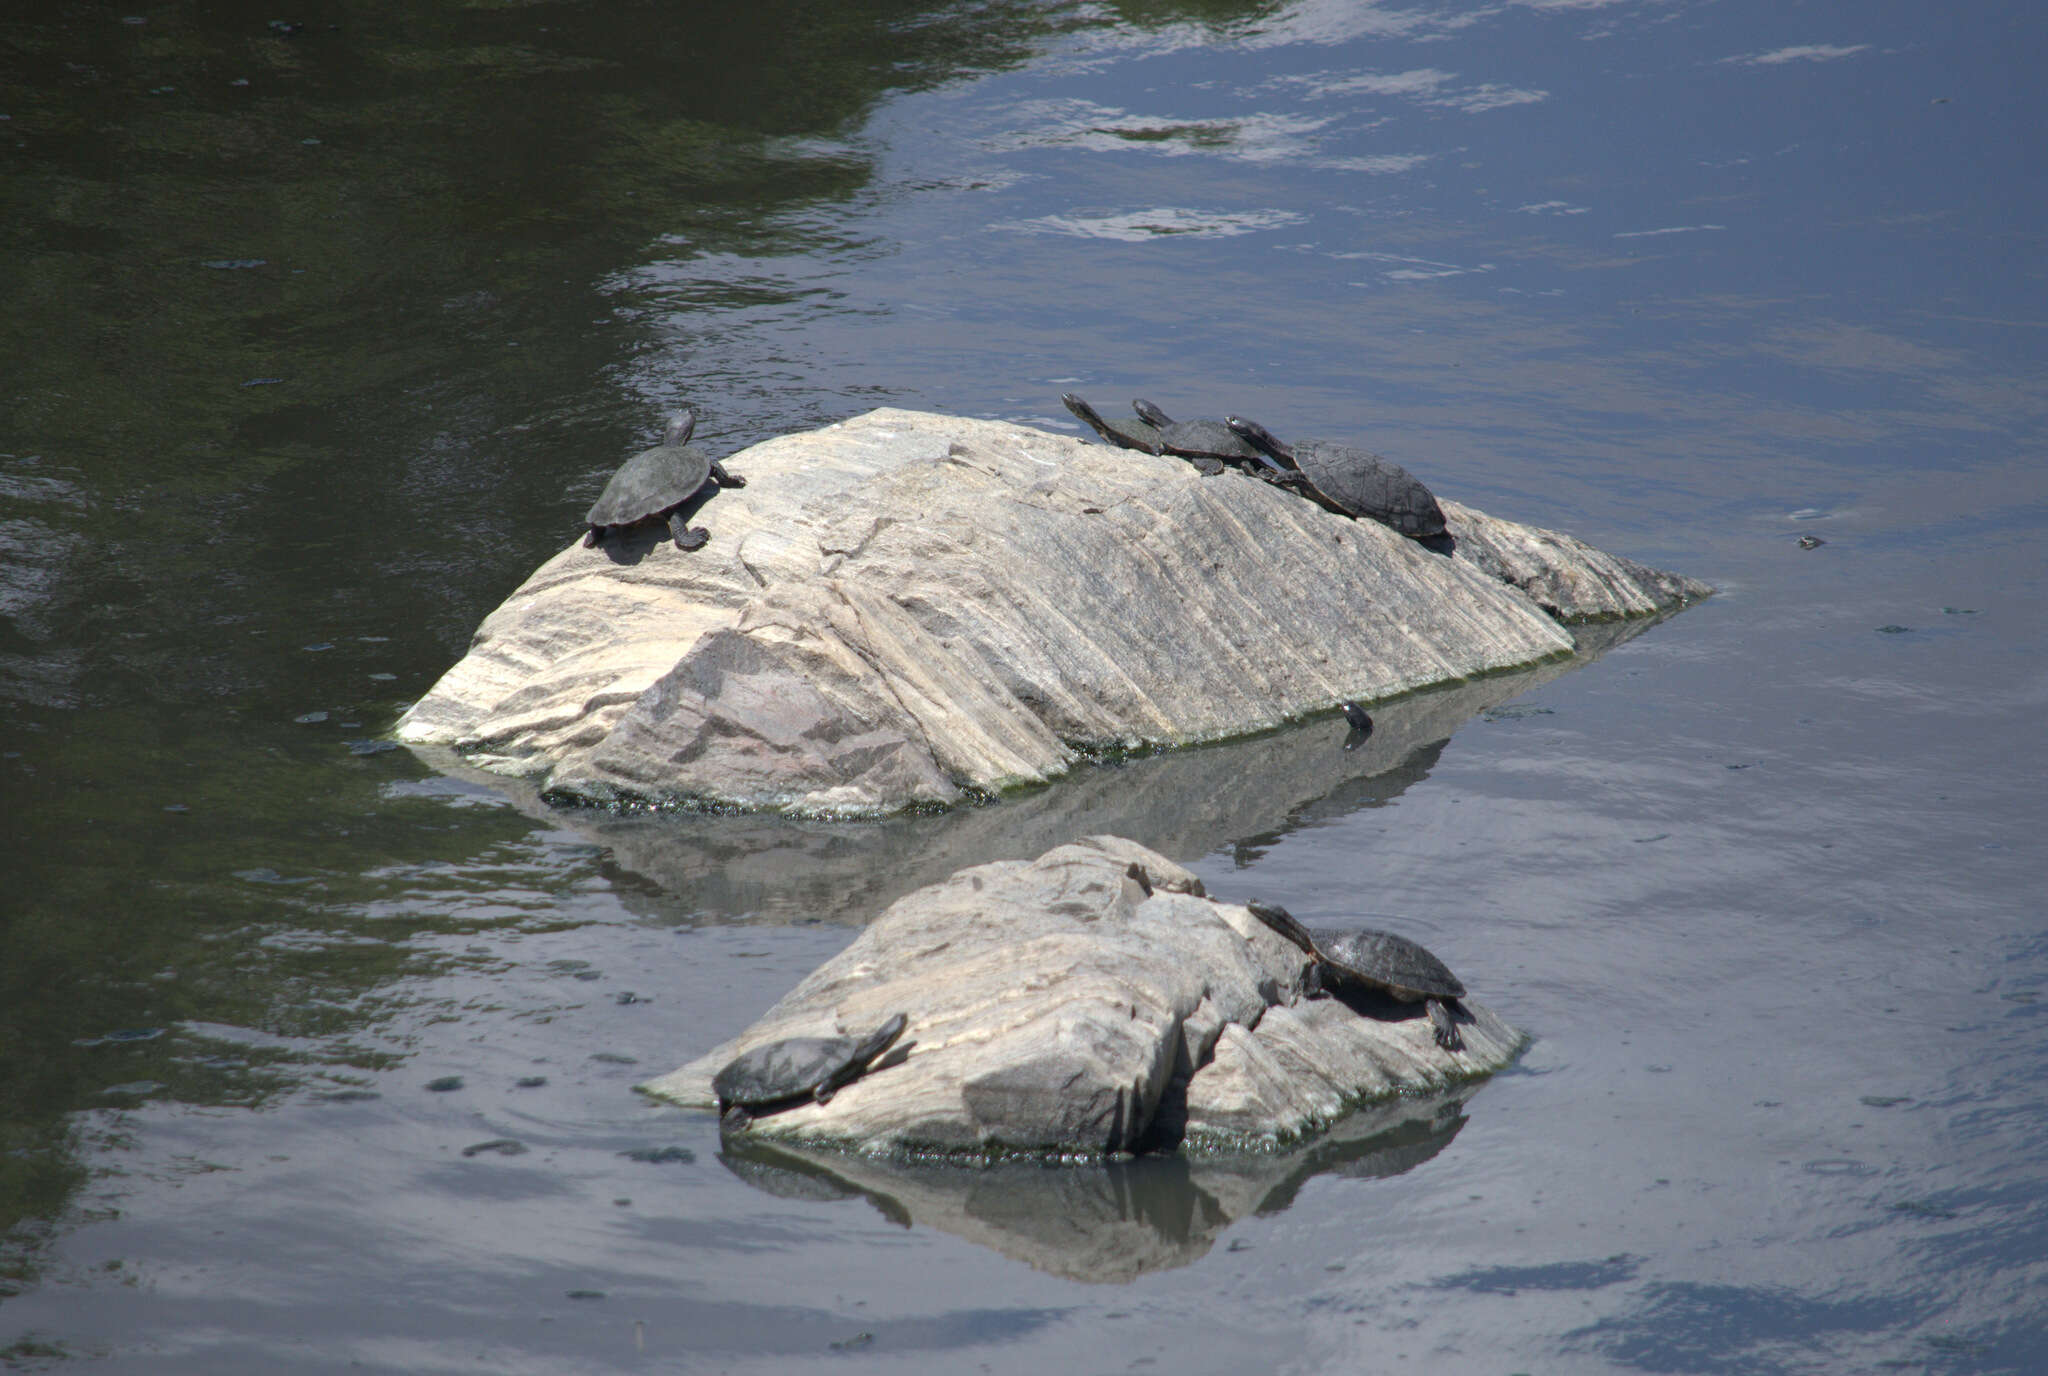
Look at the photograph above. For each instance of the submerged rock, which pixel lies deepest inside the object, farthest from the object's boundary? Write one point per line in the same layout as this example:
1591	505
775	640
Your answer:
907	609
1092	1001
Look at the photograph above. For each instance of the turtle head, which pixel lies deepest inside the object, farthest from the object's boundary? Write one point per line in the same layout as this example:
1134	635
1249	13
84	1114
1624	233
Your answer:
1260	438
1081	409
1150	414
680	428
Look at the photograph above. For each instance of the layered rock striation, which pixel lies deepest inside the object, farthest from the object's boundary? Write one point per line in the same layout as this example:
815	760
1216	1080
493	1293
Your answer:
907	610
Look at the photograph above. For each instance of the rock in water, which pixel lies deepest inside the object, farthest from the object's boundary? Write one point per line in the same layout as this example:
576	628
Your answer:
1091	1001
905	610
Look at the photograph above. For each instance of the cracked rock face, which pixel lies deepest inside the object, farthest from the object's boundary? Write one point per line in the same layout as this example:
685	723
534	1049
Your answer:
906	610
1091	1001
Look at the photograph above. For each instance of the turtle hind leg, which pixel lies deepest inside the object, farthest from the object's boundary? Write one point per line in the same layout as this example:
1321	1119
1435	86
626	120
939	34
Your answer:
1444	1026
592	536
687	536
735	1119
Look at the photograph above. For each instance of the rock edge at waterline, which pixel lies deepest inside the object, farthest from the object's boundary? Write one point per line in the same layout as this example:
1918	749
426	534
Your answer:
908	610
1090	1002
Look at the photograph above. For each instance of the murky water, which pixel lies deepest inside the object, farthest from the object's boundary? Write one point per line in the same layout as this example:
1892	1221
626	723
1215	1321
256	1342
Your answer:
322	329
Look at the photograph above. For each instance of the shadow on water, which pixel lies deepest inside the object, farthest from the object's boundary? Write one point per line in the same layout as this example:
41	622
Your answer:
1241	796
1116	1221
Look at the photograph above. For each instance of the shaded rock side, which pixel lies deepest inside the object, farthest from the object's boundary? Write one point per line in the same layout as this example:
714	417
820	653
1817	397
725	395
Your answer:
1068	1005
907	609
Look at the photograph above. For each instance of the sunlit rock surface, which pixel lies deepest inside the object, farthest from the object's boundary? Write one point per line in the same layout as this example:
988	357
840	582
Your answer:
909	609
1093	1001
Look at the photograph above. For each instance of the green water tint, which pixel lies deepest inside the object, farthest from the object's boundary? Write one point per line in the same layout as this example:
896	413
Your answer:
299	323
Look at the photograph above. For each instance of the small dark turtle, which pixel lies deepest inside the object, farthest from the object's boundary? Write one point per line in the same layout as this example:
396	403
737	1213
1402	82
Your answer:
1208	444
1811	542
797	1069
1357	717
1381	961
1353	482
1125	434
655	483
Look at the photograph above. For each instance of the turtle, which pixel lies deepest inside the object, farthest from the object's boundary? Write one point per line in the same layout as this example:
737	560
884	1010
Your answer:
1125	434
1208	444
1381	961
655	484
797	1070
1353	482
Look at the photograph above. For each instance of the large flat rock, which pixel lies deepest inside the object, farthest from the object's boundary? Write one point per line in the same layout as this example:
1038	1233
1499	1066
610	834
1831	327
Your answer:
1092	1001
907	609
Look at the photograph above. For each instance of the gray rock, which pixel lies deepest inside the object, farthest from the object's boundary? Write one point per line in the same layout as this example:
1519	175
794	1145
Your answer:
907	609
762	867
1092	1001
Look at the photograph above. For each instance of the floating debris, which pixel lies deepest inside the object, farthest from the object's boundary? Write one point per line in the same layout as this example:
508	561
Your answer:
503	1146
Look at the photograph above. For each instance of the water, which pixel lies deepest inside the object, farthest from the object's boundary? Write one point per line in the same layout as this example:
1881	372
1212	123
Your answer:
303	375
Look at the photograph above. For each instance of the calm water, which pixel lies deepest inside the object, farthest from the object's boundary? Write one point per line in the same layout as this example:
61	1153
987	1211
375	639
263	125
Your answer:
317	339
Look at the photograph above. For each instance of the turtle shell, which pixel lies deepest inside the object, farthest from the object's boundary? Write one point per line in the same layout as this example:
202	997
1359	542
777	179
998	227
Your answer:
1198	439
654	481
1125	434
1358	482
800	1067
1385	961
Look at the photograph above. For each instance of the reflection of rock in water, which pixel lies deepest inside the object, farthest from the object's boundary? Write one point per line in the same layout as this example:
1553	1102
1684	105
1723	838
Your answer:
789	1175
1375	1144
1116	1220
1183	803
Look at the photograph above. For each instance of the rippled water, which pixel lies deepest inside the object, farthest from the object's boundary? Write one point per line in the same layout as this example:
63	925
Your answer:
314	1055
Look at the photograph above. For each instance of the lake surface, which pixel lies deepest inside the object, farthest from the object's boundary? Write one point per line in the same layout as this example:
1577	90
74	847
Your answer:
323	327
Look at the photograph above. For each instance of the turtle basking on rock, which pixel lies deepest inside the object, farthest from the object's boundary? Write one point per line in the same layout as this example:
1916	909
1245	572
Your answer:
655	484
1353	482
1209	445
1375	960
796	1070
1125	434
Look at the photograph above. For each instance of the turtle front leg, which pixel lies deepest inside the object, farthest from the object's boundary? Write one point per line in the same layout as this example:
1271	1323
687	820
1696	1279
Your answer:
735	1119
725	479
1209	467
687	536
1441	1023
592	536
